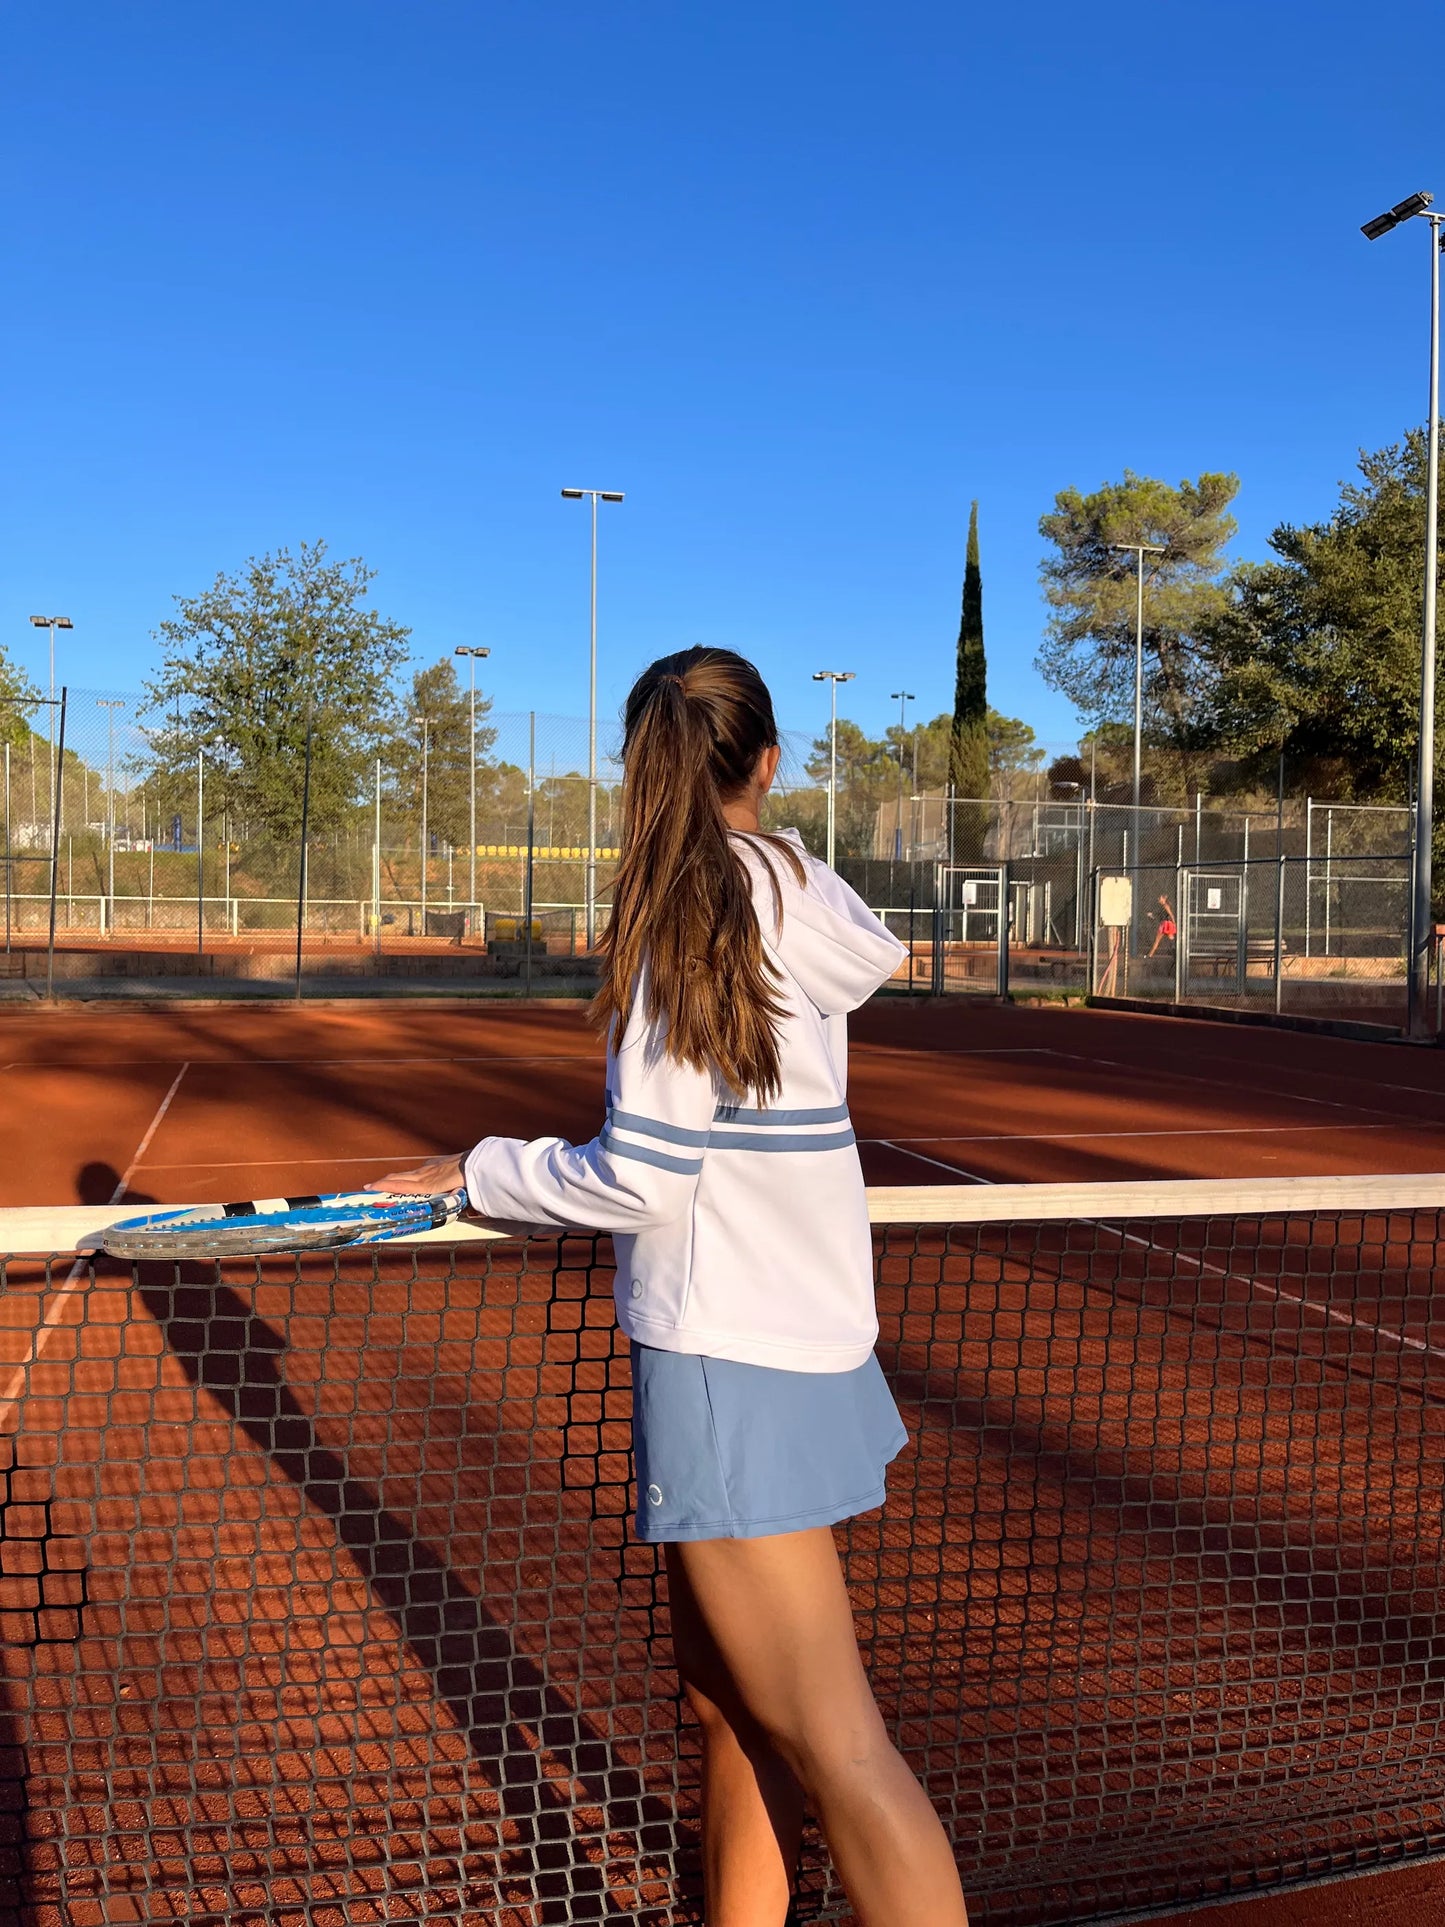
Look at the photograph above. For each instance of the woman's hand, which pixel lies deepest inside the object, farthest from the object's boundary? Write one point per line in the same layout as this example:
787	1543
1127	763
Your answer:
437	1174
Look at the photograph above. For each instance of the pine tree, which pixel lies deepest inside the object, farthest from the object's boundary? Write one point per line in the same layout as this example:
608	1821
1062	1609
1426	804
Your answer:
968	766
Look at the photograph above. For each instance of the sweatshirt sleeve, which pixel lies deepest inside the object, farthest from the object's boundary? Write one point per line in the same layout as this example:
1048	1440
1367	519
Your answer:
643	1167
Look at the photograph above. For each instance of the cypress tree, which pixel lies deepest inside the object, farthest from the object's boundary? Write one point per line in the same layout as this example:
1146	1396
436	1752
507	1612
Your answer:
968	744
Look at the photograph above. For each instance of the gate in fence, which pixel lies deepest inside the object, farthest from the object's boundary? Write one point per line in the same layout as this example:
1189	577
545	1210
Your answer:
971	914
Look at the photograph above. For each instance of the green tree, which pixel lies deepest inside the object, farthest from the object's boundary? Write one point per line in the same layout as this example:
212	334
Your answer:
1012	749
968	746
30	798
1090	587
1319	649
18	697
437	711
286	639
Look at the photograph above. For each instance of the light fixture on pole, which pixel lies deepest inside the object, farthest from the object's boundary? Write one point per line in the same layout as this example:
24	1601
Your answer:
472	655
1139	549
903	697
52	623
833	676
1418	982
597	495
110	704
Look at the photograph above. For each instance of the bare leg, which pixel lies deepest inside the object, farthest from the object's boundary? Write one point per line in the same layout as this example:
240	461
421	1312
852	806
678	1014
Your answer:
779	1623
752	1806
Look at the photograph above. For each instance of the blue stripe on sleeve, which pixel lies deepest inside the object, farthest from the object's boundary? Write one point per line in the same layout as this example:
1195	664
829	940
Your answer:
737	1114
644	1154
778	1141
654	1127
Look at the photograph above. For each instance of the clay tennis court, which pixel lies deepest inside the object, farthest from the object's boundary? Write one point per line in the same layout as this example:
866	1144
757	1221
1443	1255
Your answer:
277	1663
195	1102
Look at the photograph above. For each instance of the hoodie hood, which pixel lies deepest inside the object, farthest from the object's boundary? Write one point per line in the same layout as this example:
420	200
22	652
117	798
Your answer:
829	941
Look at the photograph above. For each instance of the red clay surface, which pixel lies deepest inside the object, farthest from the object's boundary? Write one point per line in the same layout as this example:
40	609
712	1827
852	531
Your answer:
271	1099
202	1103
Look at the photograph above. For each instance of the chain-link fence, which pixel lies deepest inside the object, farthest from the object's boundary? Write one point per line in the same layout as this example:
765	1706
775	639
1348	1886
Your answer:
497	865
1280	934
437	866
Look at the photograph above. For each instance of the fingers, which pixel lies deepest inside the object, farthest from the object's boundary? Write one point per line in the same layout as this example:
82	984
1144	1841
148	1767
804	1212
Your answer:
437	1174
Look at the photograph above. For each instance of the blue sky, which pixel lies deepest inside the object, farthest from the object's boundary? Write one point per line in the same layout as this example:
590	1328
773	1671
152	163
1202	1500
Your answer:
801	279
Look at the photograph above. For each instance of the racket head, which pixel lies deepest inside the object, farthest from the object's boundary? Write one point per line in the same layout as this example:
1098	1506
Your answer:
260	1227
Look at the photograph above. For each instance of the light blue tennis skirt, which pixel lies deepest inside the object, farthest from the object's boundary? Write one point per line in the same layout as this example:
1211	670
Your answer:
730	1451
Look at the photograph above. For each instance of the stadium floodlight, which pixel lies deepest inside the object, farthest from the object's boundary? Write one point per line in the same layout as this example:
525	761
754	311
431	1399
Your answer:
1417	1022
52	623
833	676
597	495
464	649
1396	216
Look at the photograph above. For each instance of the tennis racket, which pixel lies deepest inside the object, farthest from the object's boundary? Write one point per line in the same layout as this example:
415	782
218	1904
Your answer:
260	1225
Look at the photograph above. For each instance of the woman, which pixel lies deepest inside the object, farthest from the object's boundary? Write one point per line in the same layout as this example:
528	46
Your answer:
728	1174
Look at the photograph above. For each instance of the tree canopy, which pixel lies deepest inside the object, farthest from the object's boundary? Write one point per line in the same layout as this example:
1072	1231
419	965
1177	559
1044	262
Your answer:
1318	650
1090	587
18	695
285	641
437	710
868	767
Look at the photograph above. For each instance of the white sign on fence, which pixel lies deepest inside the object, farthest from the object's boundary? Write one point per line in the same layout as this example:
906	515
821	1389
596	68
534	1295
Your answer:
1116	902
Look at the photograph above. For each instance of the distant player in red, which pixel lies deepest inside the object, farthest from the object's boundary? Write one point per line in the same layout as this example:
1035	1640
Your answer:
1167	926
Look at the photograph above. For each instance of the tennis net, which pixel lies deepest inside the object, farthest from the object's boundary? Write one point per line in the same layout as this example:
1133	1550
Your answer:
319	1603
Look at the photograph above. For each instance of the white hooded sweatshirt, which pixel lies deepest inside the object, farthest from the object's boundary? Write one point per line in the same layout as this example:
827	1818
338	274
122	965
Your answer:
740	1232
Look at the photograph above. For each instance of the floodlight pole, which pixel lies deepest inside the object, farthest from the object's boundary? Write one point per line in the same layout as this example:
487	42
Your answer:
110	704
903	697
1139	549
1417	1020
833	676
471	655
597	495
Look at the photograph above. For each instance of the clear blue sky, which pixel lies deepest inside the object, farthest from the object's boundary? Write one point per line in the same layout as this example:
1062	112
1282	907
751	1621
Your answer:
800	278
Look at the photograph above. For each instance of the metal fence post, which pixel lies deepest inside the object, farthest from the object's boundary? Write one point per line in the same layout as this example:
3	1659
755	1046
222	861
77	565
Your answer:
1003	931
54	843
531	837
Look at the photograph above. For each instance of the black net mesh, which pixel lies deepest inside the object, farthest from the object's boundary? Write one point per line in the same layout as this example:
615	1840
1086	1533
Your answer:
320	1604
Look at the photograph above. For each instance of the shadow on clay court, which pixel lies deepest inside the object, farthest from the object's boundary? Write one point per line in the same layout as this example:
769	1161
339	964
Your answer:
498	1696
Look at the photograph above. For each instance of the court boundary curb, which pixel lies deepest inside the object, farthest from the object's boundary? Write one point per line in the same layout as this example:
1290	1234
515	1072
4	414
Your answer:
1356	1028
1278	1890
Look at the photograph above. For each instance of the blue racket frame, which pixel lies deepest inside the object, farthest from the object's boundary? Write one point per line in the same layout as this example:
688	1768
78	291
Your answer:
255	1227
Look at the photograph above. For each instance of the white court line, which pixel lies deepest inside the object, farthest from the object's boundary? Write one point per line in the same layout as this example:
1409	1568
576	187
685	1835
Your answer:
1328	1312
952	1050
12	1392
265	1164
901	1145
894	1143
1203	1130
1233	1084
243	1062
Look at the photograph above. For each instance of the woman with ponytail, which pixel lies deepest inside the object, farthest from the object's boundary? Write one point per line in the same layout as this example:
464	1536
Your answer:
728	1175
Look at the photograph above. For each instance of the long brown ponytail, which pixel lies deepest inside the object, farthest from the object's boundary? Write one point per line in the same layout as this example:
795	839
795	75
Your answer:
695	725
